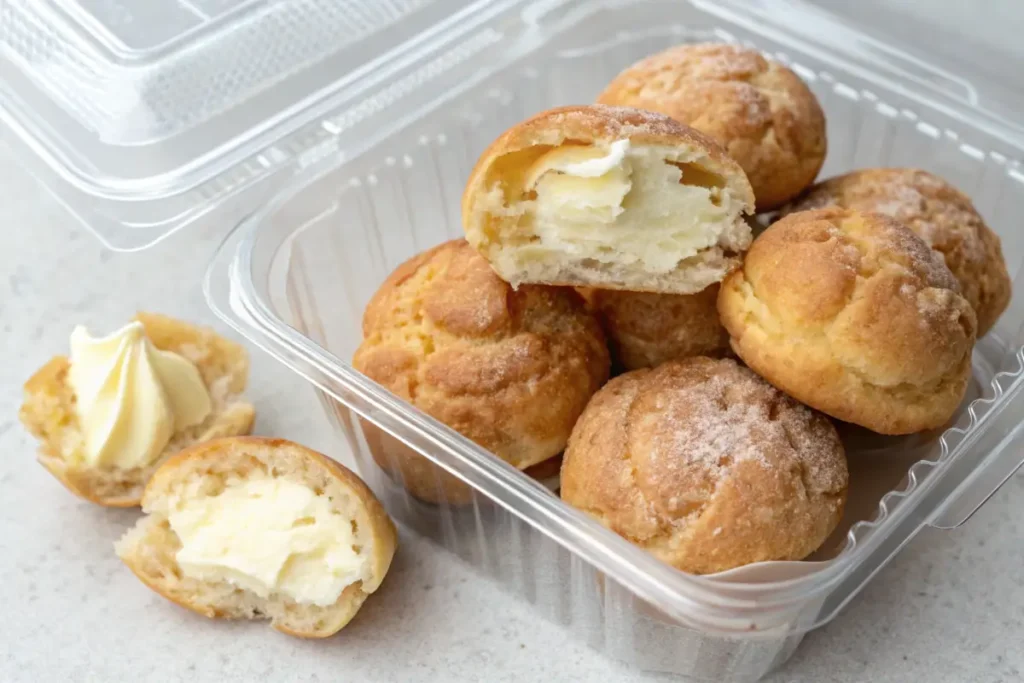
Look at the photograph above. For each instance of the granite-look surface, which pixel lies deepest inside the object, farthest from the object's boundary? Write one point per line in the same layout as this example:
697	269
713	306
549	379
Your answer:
948	609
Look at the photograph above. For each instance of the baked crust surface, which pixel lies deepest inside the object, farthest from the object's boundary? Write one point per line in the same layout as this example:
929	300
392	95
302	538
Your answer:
760	111
149	548
644	330
706	466
852	314
509	369
938	213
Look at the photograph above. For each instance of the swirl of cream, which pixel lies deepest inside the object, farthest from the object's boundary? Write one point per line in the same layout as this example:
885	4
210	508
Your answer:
131	397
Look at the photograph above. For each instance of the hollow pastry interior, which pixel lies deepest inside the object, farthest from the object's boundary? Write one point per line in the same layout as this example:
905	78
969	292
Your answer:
615	211
256	528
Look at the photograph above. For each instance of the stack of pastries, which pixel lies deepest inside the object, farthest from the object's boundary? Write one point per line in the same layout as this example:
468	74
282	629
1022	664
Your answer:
614	240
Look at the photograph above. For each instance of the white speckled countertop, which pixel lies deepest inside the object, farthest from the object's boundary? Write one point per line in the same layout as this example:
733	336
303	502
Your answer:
949	608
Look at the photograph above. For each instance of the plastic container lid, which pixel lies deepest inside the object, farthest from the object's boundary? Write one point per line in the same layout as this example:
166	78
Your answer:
143	117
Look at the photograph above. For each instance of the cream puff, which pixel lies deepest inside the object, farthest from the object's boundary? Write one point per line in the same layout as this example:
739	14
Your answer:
767	119
852	314
510	369
706	466
939	214
254	528
608	197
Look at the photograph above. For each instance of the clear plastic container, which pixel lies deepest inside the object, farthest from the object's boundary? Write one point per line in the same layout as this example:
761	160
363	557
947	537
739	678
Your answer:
144	117
294	278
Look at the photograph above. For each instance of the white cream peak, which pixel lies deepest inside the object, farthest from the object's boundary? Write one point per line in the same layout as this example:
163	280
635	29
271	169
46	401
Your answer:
131	397
586	162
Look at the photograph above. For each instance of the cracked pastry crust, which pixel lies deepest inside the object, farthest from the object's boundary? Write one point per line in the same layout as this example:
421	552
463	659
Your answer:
644	330
509	369
939	214
767	119
706	466
855	316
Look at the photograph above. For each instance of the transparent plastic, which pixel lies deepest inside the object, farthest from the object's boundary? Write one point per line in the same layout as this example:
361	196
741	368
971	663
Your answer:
144	117
294	278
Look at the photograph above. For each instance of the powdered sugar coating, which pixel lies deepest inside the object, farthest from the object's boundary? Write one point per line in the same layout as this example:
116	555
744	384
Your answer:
852	314
705	417
939	214
706	465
